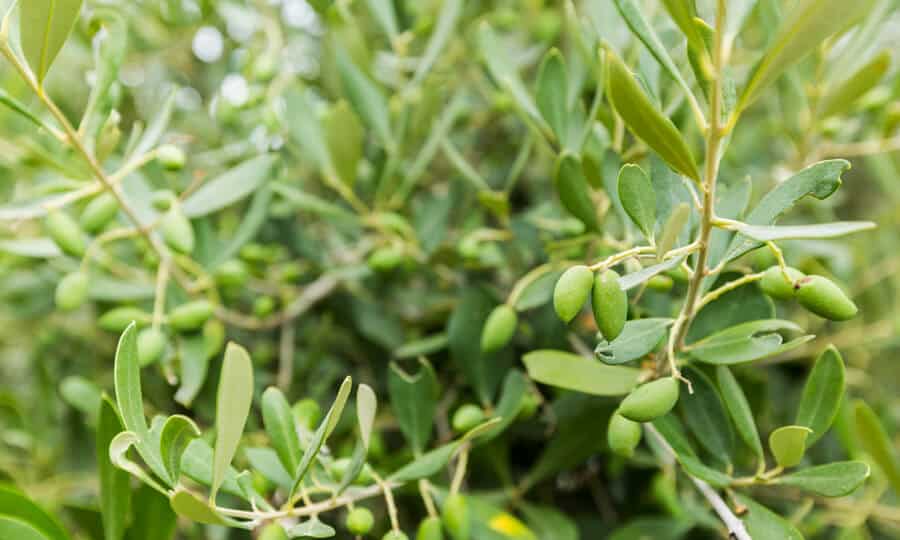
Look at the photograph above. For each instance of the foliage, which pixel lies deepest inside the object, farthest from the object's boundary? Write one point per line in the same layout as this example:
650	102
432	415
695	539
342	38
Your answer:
218	216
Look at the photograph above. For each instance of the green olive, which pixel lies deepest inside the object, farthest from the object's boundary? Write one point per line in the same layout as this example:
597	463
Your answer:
780	287
499	328
824	298
623	435
360	521
572	291
72	291
610	304
650	400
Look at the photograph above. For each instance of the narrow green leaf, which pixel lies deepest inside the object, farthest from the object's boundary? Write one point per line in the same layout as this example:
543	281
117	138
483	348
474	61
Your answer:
503	69
832	480
322	433
193	364
769	233
38	248
266	462
875	441
188	505
229	187
746	342
446	23
433	461
739	410
645	120
839	98
515	387
279	422
706	417
12	527
822	394
574	191
233	399
574	372
115	491
366	408
551	93
16	505
638	198
414	400
764	523
177	433
671	231
345	137
634	279
312	528
681	12
808	24
156	520
819	180
197	464
20	108
422	347
44	27
788	444
638	338
155	128
383	12
366	98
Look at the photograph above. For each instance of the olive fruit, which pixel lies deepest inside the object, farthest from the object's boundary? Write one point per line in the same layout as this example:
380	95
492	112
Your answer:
395	535
100	211
386	258
151	343
213	336
176	230
190	316
467	416
171	157
232	273
623	435
273	531
610	304
360	521
66	233
780	287
339	468
307	413
72	291
499	328
117	319
456	518
430	529
263	306
824	298
650	400
572	291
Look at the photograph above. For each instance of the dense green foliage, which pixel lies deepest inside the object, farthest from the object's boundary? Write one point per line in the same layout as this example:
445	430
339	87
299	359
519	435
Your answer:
301	269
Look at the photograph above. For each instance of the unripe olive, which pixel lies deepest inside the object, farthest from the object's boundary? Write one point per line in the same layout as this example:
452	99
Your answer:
430	529
360	521
176	230
307	413
260	483
66	233
467	416
824	298
651	400
610	304
499	328
72	291
661	283
232	273
171	157
456	518
395	535
163	199
151	343
100	211
263	306
254	253
272	531
623	435
117	319
190	316
385	258
572	291
213	336
780	287
529	406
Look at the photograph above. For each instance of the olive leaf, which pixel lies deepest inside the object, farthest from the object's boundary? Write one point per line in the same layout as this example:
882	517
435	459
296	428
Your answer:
706	416
44	27
329	422
366	407
177	432
684	14
115	488
739	410
839	98
770	233
747	342
832	480
808	24
574	191
638	338
344	136
645	120
414	400
229	187
233	398
188	505
634	279
875	441
551	93
365	97
574	372
279	423
638	198
433	461
788	444
19	515
822	394
764	523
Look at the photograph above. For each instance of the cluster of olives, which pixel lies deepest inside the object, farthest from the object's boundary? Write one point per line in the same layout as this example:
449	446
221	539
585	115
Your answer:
817	294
